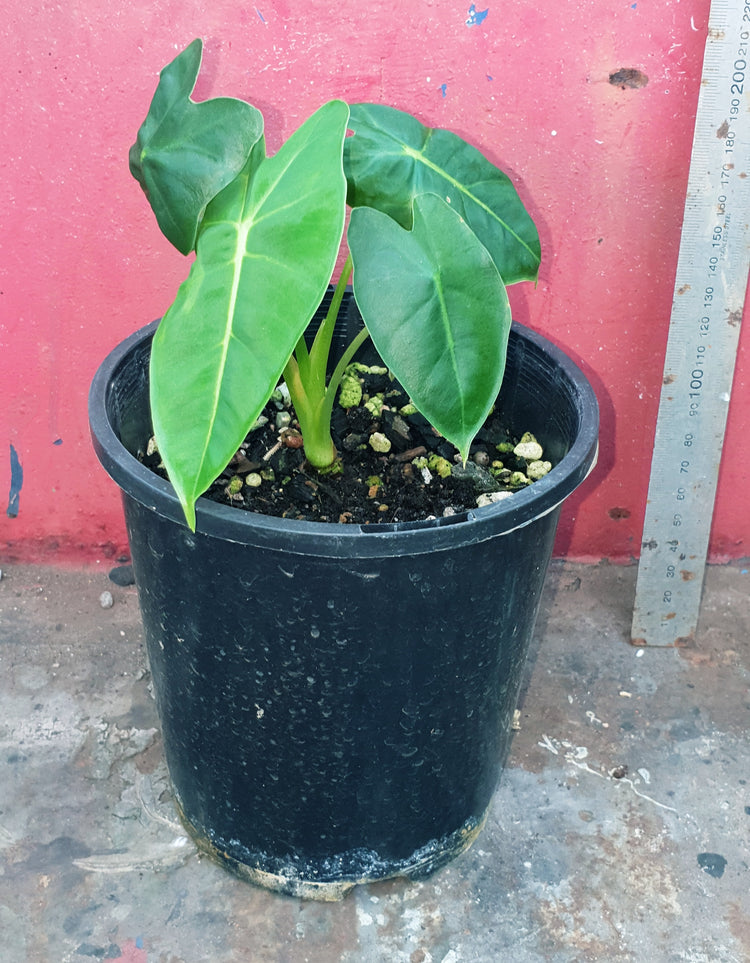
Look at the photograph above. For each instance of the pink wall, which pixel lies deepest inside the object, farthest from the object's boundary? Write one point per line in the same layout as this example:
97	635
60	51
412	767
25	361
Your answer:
603	170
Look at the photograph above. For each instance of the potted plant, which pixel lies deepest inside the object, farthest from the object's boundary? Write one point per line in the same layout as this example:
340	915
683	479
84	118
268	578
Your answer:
335	699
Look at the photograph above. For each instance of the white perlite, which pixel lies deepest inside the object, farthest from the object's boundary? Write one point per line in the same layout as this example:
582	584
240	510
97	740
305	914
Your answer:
529	450
538	469
491	497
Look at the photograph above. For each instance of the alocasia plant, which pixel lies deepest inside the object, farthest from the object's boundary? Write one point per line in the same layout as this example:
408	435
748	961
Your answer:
436	234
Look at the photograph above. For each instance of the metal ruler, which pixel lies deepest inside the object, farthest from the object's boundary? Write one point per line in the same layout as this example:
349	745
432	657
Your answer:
704	328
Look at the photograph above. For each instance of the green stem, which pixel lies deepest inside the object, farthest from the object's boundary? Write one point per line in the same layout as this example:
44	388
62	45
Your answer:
320	451
335	380
294	382
321	347
315	421
302	358
305	377
316	432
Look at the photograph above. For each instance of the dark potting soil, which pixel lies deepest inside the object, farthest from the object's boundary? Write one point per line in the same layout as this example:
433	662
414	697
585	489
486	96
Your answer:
393	466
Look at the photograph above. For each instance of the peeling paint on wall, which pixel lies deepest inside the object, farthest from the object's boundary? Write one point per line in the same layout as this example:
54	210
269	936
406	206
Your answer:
628	77
476	16
16	483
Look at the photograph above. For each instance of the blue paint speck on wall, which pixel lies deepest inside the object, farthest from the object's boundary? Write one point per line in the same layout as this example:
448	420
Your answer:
476	16
16	483
443	89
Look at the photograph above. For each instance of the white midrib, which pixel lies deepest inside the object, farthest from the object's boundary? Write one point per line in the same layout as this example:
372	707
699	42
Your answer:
243	230
451	343
419	156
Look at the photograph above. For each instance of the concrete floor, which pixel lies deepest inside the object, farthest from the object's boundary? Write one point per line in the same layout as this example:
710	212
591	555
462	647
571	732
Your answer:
619	831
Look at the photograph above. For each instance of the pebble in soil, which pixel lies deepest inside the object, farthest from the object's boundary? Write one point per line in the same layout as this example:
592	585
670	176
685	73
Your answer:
393	466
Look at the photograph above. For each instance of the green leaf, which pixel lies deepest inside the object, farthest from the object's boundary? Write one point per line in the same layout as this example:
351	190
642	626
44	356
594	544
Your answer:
185	153
392	158
265	254
437	311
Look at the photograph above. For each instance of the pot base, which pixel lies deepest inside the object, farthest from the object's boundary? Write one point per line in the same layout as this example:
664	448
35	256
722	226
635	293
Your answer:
299	882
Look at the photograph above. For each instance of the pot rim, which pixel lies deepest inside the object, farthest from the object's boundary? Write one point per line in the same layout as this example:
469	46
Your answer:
336	539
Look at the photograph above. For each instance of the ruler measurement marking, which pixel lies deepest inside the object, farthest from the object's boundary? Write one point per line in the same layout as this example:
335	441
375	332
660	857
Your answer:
700	353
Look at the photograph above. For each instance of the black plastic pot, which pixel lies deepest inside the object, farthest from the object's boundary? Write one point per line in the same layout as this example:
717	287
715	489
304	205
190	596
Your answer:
336	701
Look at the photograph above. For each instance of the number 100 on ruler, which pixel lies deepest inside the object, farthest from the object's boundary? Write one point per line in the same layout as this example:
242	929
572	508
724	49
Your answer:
709	294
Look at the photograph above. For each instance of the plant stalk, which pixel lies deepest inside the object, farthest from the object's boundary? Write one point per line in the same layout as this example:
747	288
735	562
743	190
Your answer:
305	375
321	347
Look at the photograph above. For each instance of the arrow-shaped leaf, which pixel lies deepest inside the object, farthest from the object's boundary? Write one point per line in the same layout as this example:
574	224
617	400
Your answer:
186	152
392	158
265	254
437	311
